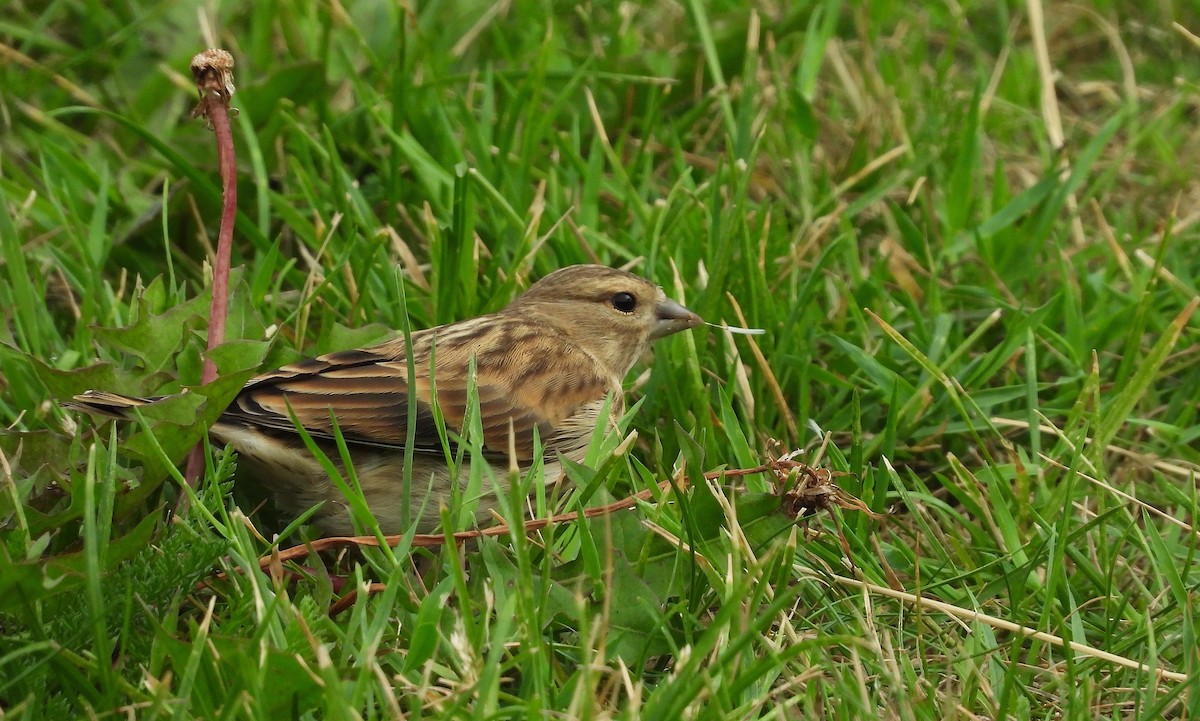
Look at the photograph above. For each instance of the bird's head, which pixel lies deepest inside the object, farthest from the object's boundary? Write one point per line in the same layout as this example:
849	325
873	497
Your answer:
613	313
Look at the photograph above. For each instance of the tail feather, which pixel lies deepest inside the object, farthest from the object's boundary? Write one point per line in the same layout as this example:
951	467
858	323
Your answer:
111	405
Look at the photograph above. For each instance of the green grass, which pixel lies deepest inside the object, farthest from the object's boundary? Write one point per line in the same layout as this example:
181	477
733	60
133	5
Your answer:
995	336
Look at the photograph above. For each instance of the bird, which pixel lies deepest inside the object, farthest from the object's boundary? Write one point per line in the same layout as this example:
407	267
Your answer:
546	367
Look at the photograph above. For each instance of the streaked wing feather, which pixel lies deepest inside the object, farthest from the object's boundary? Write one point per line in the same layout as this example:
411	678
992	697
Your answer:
368	391
365	390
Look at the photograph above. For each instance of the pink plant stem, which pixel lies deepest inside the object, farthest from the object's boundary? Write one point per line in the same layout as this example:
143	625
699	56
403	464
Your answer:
213	70
227	161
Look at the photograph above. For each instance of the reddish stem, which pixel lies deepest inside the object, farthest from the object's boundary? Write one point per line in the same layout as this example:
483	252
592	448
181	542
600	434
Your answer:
219	117
213	70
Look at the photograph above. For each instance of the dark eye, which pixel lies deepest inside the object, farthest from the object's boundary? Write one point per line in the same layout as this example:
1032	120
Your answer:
624	302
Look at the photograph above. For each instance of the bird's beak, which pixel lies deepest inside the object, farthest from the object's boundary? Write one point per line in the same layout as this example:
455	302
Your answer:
670	317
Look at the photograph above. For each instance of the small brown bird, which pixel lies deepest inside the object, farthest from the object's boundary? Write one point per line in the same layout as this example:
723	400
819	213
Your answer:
544	365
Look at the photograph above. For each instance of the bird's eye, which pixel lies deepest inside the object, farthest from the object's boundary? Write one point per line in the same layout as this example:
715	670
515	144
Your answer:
624	302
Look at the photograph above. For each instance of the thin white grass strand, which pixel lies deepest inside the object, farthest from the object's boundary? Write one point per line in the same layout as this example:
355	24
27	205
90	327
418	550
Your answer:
739	331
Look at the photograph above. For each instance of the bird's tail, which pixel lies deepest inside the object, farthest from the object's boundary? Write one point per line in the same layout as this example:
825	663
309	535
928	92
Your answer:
111	405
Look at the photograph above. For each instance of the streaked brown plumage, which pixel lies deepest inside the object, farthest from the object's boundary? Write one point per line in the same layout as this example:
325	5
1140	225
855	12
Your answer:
545	364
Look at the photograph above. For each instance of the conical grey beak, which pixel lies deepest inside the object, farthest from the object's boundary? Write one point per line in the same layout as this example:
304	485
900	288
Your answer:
670	317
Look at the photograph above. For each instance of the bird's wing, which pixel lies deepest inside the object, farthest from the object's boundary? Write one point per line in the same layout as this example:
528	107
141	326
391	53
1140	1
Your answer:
367	391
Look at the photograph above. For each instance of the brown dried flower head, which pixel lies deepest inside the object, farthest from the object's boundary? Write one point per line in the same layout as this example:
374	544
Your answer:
213	71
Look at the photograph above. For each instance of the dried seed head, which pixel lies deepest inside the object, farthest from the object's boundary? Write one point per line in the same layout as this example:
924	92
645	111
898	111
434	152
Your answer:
213	71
